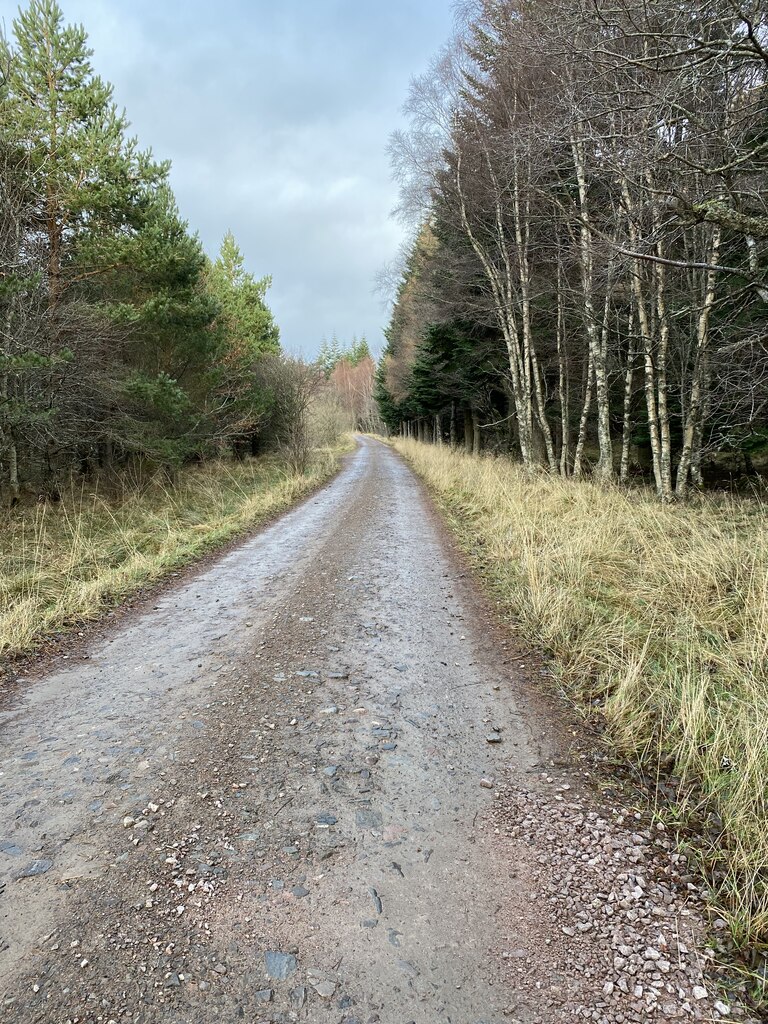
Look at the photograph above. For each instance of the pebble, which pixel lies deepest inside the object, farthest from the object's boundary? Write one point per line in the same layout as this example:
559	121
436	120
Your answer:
323	985
298	996
279	965
369	819
37	867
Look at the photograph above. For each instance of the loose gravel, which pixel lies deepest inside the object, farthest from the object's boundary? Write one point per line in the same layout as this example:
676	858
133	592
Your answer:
626	917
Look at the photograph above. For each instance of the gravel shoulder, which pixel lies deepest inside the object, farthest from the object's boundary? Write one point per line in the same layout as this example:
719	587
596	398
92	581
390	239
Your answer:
313	783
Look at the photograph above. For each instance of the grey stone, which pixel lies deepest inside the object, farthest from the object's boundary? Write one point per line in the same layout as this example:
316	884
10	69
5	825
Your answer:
298	996
279	965
37	867
264	995
326	818
408	967
493	737
369	819
299	891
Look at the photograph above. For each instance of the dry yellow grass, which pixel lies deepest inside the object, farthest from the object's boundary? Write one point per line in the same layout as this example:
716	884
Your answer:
658	617
64	563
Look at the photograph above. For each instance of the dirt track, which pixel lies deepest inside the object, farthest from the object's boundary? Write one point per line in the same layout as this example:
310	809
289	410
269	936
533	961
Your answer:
293	789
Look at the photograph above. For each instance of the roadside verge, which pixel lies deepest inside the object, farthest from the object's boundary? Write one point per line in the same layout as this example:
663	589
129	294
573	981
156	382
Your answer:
656	619
67	564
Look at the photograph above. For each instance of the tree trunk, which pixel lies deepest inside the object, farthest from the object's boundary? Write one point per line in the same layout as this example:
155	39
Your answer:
469	431
13	471
662	351
532	376
597	342
453	425
584	420
693	431
626	423
646	337
563	380
501	283
476	432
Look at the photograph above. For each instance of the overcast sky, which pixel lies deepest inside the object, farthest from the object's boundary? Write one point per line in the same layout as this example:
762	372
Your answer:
276	116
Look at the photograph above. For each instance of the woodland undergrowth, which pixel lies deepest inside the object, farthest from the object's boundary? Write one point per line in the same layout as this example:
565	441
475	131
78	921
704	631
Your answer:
64	563
656	617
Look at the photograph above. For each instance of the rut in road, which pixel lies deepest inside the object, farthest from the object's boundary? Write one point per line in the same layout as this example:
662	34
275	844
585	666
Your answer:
274	796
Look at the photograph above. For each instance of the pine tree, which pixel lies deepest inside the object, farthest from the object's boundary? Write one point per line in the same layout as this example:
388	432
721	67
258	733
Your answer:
242	301
329	355
87	177
358	351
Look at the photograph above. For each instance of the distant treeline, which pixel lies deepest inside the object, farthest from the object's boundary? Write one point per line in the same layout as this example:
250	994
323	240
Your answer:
121	344
589	284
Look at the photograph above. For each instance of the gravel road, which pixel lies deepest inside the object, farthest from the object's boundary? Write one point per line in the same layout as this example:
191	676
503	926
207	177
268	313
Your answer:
309	783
